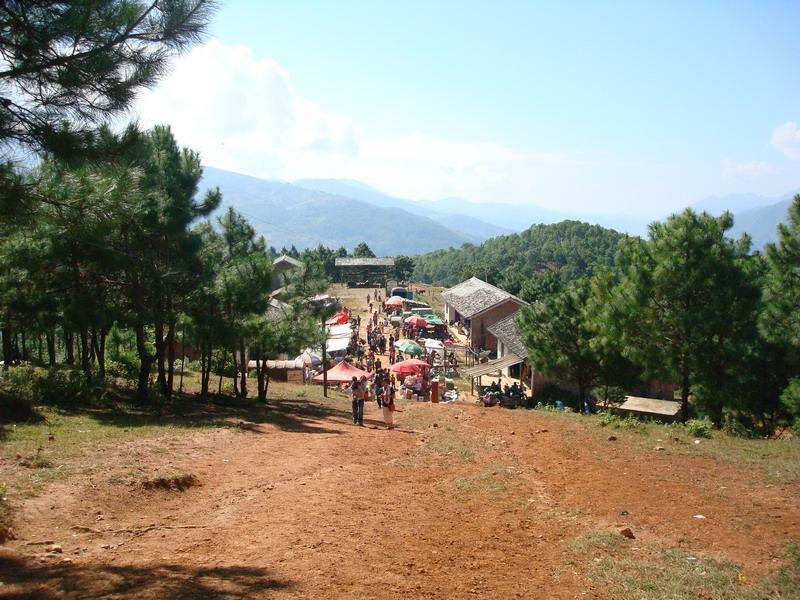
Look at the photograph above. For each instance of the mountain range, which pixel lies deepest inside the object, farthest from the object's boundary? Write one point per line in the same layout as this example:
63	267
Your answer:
758	216
341	212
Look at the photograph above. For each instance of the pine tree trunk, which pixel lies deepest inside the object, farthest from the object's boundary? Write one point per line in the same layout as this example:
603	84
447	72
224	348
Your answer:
170	358
51	349
101	354
161	358
25	355
243	357
8	347
40	349
235	374
183	359
94	347
684	394
262	390
145	364
69	345
86	366
205	368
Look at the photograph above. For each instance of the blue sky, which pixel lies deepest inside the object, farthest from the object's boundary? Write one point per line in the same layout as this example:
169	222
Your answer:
593	107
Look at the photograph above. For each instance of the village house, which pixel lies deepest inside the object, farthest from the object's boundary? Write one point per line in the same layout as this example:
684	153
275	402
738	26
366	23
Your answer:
367	272
477	305
281	266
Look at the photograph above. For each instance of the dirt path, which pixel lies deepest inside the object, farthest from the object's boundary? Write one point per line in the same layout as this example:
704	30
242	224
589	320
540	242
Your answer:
459	502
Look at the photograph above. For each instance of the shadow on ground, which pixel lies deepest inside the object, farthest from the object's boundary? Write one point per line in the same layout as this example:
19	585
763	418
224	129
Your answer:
28	579
299	416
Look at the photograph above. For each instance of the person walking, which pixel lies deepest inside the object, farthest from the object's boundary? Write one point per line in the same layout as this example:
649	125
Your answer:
388	405
361	393
351	393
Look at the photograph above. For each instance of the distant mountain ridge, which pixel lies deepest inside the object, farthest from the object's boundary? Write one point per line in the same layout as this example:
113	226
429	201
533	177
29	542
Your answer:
289	215
341	212
756	215
470	226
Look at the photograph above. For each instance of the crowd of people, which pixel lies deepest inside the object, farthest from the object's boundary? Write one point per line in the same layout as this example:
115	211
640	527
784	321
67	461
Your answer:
382	390
496	394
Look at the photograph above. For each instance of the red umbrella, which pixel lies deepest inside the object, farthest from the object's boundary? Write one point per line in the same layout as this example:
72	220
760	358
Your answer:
395	301
416	321
412	365
338	319
343	373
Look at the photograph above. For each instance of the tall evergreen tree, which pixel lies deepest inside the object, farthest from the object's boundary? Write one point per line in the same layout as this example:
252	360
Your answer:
70	65
558	335
683	303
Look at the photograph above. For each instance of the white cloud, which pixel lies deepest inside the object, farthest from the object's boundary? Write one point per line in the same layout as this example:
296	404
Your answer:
242	113
754	168
786	138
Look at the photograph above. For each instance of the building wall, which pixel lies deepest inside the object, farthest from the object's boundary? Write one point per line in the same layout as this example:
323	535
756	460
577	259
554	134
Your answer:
480	324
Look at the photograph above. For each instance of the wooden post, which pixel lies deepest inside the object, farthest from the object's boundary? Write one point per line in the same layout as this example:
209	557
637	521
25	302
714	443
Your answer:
324	360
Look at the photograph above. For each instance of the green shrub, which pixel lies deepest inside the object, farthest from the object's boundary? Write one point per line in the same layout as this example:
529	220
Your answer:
606	418
699	428
732	425
551	392
18	381
55	386
122	370
61	386
790	398
612	394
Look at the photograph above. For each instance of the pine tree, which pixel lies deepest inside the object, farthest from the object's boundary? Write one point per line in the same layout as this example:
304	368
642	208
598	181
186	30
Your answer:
684	303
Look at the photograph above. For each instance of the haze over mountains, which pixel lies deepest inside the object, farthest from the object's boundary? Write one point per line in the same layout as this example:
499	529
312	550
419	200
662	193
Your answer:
336	212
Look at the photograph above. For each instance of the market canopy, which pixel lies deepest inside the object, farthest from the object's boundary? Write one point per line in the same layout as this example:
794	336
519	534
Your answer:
337	331
411	365
409	347
338	319
343	373
337	344
395	301
311	358
433	345
433	320
416	321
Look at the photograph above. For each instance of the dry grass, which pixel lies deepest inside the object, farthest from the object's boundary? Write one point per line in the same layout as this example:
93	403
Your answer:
674	574
6	516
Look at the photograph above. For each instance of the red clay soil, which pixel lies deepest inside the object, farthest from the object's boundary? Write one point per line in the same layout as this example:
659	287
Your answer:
458	502
468	502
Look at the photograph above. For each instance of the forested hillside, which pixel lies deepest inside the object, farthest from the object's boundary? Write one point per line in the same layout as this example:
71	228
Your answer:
572	247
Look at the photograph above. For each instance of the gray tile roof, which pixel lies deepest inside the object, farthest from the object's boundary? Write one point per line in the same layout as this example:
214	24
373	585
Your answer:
507	331
474	296
284	261
364	262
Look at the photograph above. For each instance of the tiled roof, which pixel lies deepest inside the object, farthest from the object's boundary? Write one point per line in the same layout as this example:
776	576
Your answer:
474	296
364	262
507	331
287	261
276	311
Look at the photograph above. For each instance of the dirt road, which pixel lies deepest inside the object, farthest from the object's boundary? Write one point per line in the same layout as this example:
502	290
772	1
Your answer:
459	502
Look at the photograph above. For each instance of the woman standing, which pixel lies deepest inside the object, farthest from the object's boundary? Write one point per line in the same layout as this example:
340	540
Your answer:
388	405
